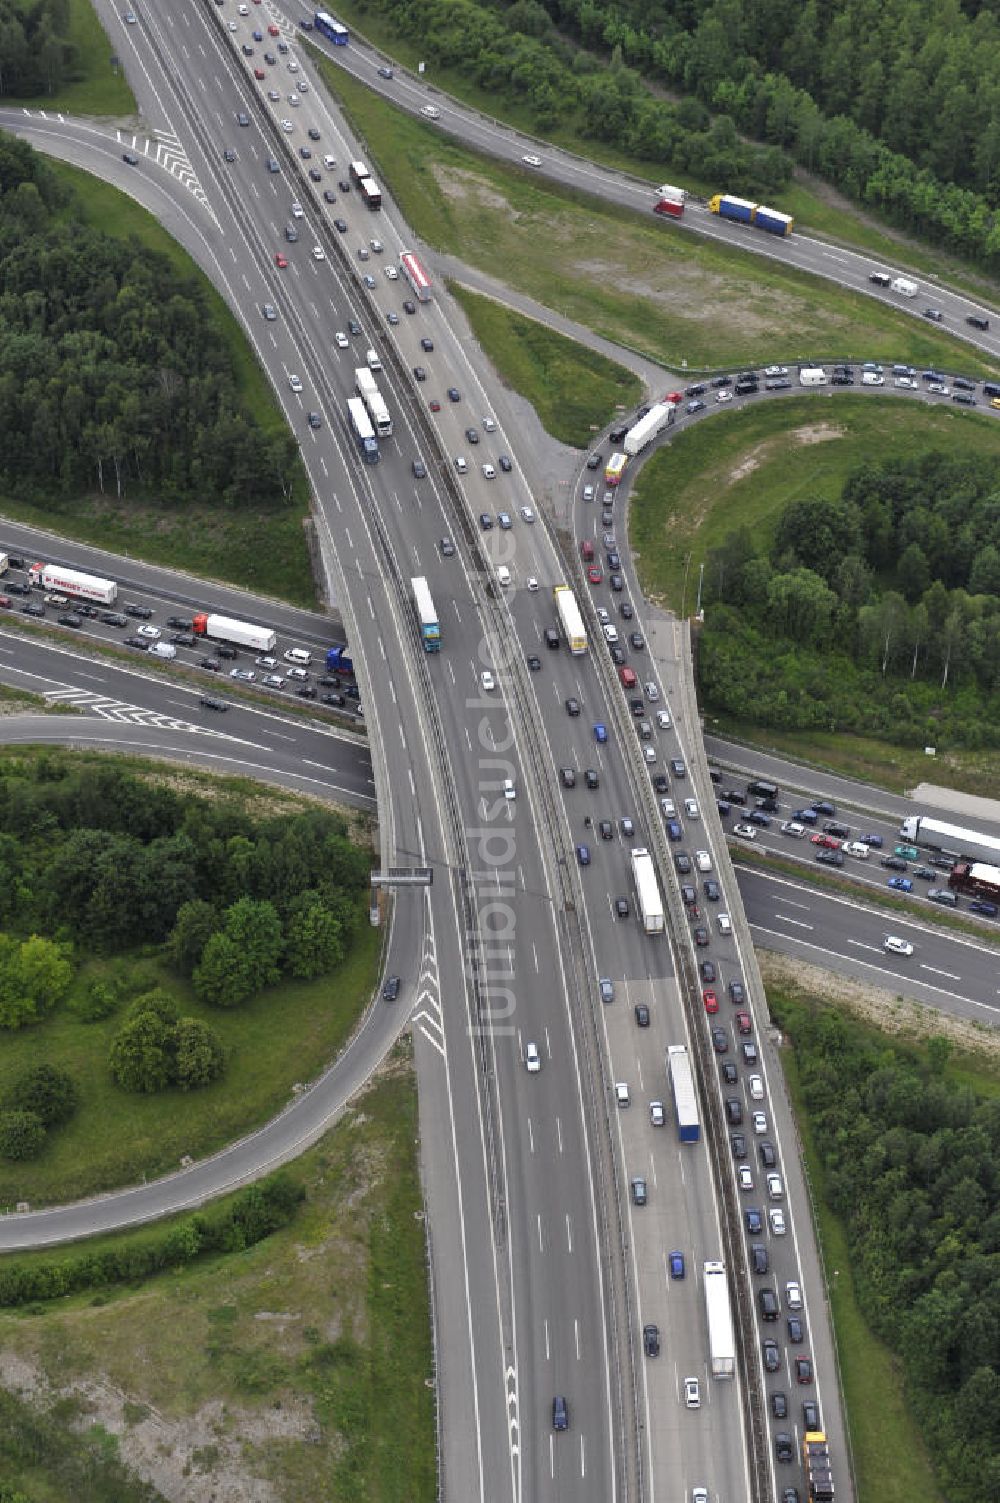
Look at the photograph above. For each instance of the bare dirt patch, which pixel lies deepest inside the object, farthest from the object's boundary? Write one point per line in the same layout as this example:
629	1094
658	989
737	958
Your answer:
879	1007
811	433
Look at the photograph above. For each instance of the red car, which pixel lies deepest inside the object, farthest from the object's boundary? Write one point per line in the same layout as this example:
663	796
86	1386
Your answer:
826	841
594	574
273	31
258	73
743	1022
435	406
280	260
711	1001
804	1369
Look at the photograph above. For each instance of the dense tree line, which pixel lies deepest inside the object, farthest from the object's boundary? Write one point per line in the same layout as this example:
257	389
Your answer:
896	103
108	864
516	53
253	1215
876	612
113	374
911	1166
36	54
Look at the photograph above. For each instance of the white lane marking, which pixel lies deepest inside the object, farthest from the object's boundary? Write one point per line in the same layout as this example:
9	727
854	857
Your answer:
948	975
799	923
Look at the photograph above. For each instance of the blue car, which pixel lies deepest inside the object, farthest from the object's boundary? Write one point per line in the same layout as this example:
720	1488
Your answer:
676	1265
674	831
754	1220
872	839
600	731
901	884
806	816
980	905
583	855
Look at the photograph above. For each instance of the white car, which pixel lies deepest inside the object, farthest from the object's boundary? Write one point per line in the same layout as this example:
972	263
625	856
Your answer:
723	396
745	1177
652	692
793	828
376	246
759	1122
611	634
293	100
532	582
266	662
487	680
703	861
657	1116
232	26
776	1217
244	10
745	832
286	126
293	66
756	1088
461	464
489	425
273	95
623	1095
775	1188
692	1393
329	162
663	719
297	210
341	340
527	515
319	254
906	382
531	161
691	808
649	752
302	86
893	945
295	383
509	791
431	111
776	370
667	808
391	274
532	1059
489	473
145	630
603	615
793	1295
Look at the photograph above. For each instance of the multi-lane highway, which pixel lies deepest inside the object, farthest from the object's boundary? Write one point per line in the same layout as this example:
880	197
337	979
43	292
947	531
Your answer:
545	1271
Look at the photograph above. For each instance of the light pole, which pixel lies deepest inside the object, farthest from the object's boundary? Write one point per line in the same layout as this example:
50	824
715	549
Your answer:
684	591
701	580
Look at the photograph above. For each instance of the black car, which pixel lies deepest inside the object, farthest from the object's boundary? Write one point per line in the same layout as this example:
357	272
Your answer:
212	664
637	706
70	619
229	653
306	691
642	1015
390	991
337	700
810	1415
113	618
607	833
896	863
689	896
594	461
447	548
505	464
698	390
712	890
779	1405
138	642
677	767
708	972
140	612
660	783
329	195
534	661
591	779
340	225
783	1448
830	858
682	861
758	817
758	1257
353	327
33	609
720	1041
426	344
766	1153
83	609
832	827
735	796
179	623
729	1073
637	641
722	380
772	1356
737	1140
651	1340
183	639
796	1335
621	908
14	587
625	611
737	993
567	775
700	936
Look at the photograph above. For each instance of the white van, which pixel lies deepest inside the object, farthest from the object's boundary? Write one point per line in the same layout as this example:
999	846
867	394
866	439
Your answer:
725	923
703	861
374	363
503	574
297	655
162	650
872	378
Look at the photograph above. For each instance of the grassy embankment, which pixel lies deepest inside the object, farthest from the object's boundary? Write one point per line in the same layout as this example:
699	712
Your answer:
816	208
303	1362
742	470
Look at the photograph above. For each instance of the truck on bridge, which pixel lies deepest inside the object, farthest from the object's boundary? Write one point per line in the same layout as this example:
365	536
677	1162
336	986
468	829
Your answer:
721	1342
685	1100
647	891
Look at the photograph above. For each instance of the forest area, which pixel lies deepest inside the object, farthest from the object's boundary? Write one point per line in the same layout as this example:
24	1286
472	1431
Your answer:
876	613
909	1157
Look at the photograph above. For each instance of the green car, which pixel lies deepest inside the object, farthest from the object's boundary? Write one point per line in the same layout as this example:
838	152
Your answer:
908	852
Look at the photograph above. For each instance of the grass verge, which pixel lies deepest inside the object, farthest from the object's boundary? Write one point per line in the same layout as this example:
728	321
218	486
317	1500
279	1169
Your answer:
889	1457
283	1036
99	86
814	208
896	768
743	469
573	389
635	280
299	1368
